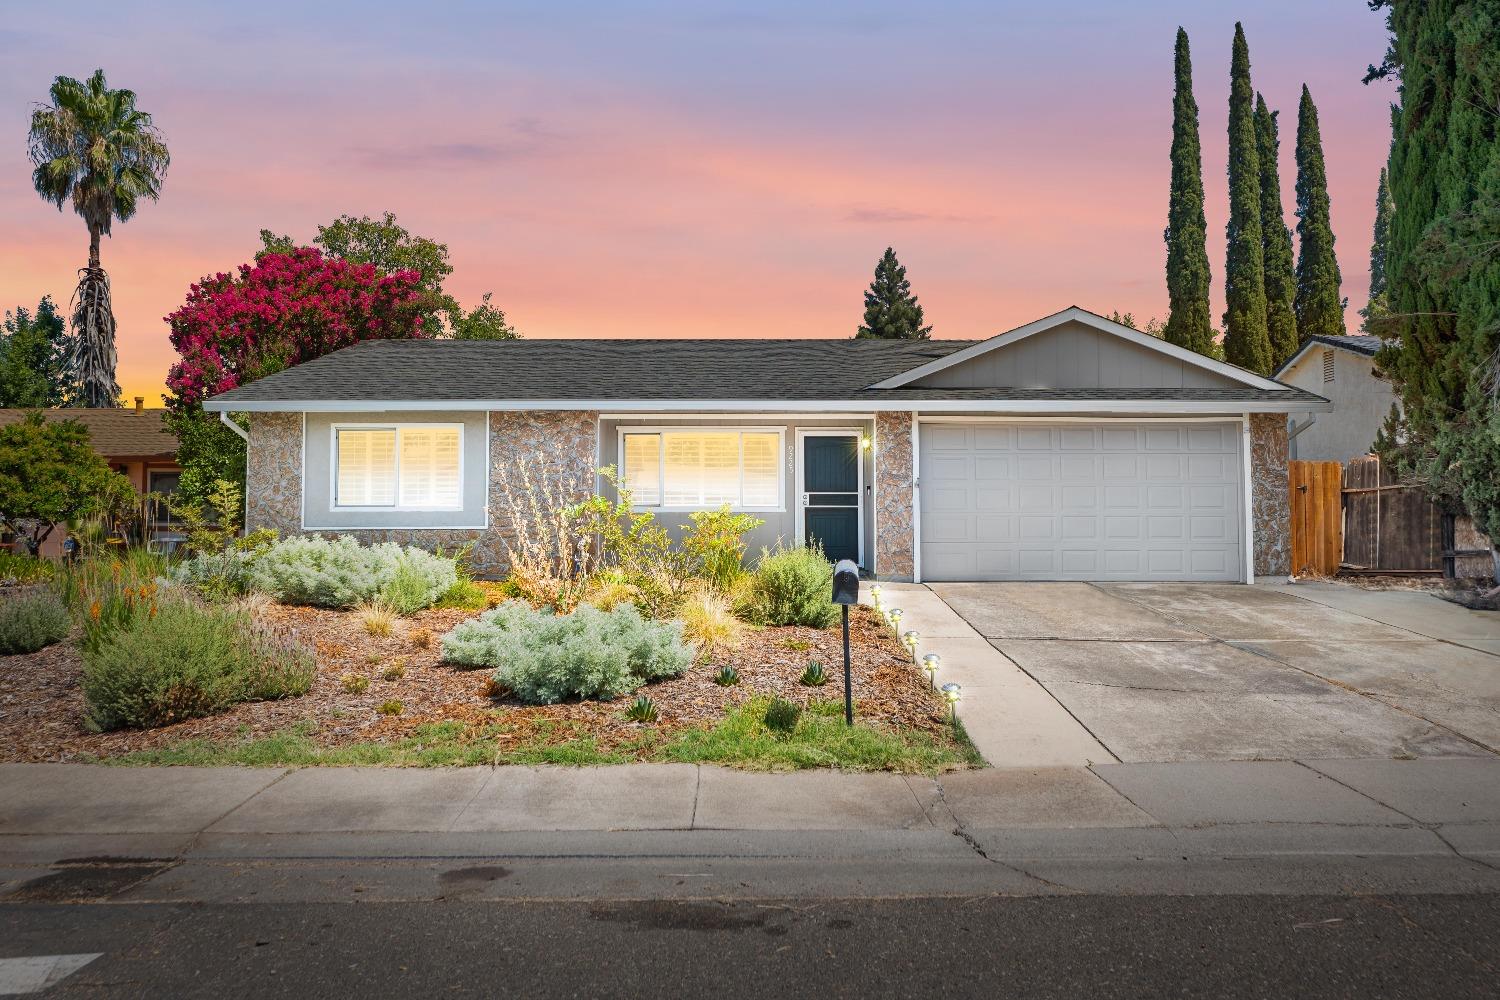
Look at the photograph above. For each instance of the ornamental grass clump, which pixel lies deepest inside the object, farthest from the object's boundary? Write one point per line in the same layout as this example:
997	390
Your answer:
791	587
31	621
185	660
543	658
340	573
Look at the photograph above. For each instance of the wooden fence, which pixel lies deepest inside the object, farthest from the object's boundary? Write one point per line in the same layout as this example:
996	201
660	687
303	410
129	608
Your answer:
1317	519
1388	527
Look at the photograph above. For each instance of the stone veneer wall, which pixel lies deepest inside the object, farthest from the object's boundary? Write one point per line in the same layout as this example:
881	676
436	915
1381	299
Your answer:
556	450
894	500
1270	505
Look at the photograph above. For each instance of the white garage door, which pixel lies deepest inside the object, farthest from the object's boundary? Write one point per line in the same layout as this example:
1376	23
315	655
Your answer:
1107	500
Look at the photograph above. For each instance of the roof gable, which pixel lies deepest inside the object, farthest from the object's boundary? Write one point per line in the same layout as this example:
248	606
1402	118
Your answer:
1127	364
1364	346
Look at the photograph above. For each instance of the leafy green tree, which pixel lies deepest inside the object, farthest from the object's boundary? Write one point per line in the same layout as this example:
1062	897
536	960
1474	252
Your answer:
1247	342
1276	241
1376	310
34	350
1320	306
92	147
391	247
891	310
50	474
1189	323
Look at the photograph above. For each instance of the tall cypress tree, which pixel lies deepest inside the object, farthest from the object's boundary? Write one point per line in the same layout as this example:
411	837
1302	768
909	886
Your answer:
1320	307
1189	323
1376	310
1276	240
1246	340
891	310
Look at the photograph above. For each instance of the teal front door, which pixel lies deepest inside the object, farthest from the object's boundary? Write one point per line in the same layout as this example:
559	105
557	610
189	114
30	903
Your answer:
830	490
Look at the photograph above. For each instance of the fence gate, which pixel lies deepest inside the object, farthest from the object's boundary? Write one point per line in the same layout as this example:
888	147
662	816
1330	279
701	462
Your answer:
1317	517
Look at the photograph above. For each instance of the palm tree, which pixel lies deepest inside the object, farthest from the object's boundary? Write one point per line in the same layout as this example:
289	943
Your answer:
92	147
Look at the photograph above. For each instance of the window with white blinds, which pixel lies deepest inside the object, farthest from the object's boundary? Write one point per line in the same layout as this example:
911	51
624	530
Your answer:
702	469
415	467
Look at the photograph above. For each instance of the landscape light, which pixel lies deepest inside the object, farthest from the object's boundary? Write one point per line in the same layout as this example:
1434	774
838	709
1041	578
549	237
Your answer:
911	637
930	663
953	694
894	617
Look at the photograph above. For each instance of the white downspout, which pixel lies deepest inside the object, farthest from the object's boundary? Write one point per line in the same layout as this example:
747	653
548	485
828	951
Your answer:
225	419
1291	438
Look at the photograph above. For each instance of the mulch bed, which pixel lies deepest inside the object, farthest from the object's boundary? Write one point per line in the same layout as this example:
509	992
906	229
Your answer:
41	702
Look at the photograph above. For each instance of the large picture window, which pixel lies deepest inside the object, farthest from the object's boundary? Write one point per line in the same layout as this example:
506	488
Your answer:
703	469
405	467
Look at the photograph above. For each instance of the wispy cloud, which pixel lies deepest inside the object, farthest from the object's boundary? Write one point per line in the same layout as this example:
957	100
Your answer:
529	137
899	216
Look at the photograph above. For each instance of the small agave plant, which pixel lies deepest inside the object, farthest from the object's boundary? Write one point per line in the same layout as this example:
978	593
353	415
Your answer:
815	675
643	709
726	676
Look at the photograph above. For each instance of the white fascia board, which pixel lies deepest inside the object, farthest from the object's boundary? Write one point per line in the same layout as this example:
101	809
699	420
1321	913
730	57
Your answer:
851	408
1070	314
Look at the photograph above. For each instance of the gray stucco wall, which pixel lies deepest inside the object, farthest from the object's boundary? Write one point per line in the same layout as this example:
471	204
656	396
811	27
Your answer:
780	526
1074	355
1360	400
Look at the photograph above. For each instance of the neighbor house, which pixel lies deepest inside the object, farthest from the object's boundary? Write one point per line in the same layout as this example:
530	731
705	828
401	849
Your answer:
1072	448
136	443
1341	369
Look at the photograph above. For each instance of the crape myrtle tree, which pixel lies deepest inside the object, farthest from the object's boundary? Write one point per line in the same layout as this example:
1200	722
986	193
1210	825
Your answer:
891	310
390	247
1276	241
1189	323
1246	341
1320	305
277	312
92	148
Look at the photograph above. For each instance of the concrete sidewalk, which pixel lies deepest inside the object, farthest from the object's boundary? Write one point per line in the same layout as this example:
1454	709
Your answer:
1011	829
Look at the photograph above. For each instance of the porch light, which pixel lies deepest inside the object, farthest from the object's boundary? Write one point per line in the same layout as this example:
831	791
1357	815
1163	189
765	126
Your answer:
930	663
864	441
910	638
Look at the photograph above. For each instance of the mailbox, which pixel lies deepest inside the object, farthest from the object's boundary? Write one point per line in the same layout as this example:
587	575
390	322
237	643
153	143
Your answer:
846	582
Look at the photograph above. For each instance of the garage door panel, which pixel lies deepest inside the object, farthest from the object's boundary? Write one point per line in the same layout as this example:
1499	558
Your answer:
1111	500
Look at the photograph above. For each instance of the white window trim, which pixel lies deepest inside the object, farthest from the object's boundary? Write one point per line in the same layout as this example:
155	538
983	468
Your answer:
781	463
333	466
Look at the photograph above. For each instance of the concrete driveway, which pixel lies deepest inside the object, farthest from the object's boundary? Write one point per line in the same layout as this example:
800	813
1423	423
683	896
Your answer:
1186	672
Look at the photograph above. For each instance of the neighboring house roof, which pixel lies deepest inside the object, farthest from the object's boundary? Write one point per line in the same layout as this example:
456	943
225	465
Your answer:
824	374
1361	345
114	433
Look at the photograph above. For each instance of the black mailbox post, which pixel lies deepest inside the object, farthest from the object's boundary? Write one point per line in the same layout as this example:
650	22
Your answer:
845	593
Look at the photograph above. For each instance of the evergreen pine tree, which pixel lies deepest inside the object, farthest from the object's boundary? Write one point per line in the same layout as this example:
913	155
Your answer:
1276	240
1320	307
1246	341
1376	311
891	310
1188	323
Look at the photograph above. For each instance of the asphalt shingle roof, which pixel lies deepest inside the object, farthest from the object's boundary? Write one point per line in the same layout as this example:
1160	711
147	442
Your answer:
1358	344
807	369
114	432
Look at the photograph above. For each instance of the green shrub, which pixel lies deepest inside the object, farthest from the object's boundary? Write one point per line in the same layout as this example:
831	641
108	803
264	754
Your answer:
782	716
109	595
18	568
187	660
31	621
465	595
544	658
340	573
726	676
716	544
792	587
354	683
391	707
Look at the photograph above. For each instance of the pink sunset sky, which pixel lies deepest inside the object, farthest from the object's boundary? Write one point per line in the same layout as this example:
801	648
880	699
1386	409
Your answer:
685	169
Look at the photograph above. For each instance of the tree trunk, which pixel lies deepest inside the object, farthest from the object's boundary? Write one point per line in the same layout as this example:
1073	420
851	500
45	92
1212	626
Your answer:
93	248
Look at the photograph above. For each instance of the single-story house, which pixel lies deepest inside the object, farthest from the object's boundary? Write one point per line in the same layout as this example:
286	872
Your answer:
136	443
1341	369
1072	448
